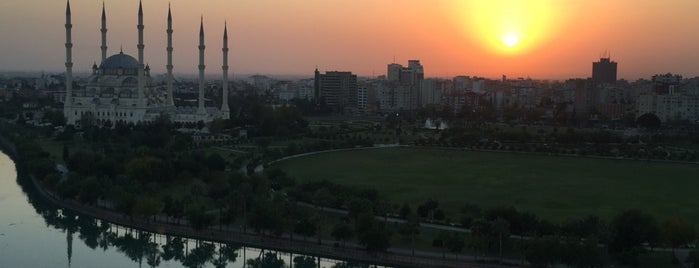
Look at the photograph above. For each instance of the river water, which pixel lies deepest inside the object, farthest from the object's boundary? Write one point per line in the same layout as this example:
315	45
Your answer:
34	233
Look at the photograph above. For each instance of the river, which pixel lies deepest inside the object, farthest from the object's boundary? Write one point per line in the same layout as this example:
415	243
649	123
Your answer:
34	233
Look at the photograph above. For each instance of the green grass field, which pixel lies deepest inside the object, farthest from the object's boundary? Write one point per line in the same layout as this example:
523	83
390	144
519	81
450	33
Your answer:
555	188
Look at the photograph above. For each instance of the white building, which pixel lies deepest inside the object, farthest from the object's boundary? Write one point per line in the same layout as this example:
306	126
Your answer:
362	97
121	89
670	107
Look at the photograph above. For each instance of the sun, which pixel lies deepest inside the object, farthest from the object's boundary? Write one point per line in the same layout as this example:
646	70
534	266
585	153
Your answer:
510	27
510	39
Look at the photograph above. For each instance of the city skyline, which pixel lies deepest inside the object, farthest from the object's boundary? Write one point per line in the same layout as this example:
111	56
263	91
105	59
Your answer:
449	37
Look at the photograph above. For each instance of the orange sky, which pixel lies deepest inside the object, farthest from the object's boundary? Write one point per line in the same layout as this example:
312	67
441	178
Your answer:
558	38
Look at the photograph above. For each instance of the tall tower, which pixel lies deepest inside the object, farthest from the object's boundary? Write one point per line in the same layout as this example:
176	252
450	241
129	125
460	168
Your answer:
604	71
201	109
170	96
104	34
141	87
225	110
316	85
69	67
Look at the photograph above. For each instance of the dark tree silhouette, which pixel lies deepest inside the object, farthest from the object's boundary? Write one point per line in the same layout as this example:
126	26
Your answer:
648	121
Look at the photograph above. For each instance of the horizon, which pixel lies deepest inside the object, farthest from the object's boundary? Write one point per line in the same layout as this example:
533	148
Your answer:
281	77
450	38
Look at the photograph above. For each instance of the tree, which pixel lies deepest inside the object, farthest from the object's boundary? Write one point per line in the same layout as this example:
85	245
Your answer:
215	162
383	208
480	231
359	206
502	229
244	193
405	210
144	169
305	227
55	117
197	216
440	242
677	232
304	262
693	258
226	253
200	255
371	233
541	252
648	121
439	215
427	208
66	154
630	229
454	242
321	198
266	215
268	260
342	232
410	229
582	253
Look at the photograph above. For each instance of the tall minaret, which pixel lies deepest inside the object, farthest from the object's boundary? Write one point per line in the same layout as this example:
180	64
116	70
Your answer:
201	109
170	96
141	87
104	34
225	111
69	67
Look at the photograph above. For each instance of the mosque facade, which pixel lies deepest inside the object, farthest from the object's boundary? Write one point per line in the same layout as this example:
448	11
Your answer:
121	89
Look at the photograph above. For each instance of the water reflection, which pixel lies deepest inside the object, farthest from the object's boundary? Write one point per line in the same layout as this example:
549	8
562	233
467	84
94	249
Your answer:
141	248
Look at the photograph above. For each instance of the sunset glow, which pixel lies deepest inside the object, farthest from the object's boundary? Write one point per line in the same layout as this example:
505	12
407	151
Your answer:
499	25
554	39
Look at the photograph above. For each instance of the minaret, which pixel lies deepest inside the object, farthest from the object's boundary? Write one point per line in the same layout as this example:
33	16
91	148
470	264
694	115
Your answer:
225	111
201	109
104	34
141	87
170	96
69	67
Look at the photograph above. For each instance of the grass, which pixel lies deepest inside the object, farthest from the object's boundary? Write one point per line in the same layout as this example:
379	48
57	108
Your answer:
555	188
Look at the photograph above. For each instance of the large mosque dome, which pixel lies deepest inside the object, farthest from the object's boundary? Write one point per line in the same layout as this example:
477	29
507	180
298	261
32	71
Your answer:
121	89
120	60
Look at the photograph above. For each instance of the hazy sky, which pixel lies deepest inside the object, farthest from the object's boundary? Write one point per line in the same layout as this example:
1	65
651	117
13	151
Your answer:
555	38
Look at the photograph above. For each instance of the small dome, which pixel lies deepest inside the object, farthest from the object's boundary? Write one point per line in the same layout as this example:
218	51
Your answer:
120	60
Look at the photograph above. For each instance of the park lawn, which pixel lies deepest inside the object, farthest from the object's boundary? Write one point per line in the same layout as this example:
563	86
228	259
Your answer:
554	188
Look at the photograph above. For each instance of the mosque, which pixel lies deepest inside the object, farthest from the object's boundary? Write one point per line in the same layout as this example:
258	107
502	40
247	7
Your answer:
121	89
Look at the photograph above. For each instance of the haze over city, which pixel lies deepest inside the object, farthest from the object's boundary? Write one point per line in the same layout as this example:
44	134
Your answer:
349	133
539	39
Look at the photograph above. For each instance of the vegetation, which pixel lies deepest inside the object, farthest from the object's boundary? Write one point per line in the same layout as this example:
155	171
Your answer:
555	188
566	207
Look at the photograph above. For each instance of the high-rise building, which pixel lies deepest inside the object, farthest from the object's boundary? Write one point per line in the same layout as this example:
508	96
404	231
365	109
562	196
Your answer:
393	72
404	85
432	90
338	89
604	71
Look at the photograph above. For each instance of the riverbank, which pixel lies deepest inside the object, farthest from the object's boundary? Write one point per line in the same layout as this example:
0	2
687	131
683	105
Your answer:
328	248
